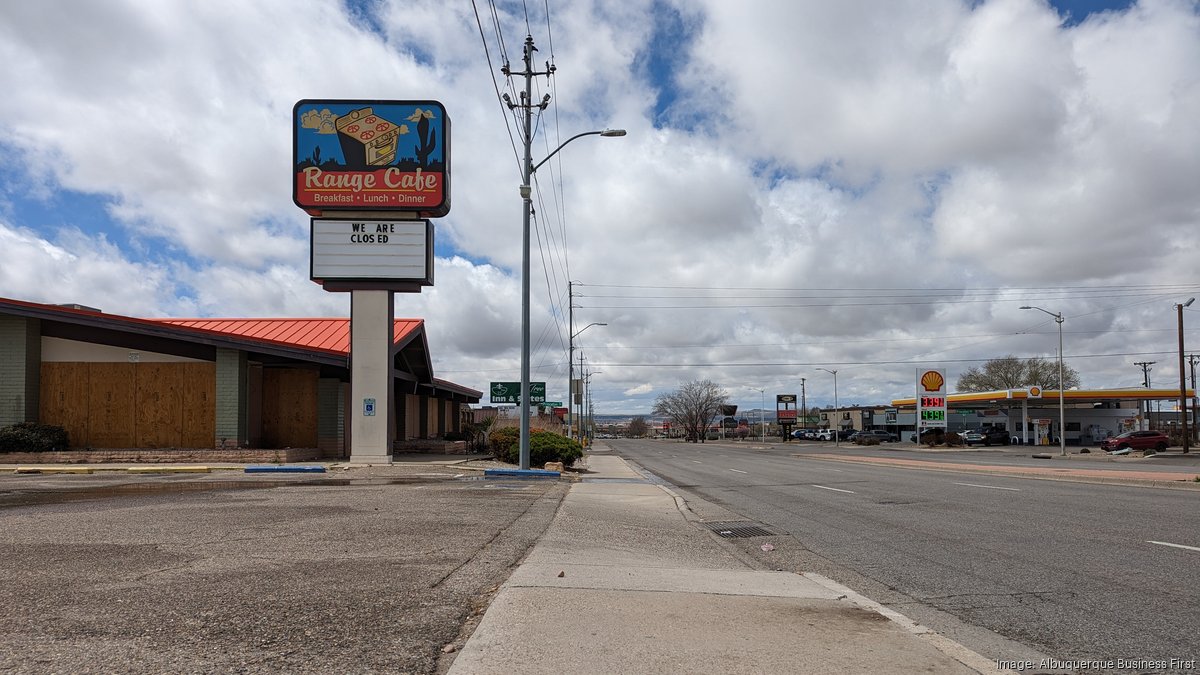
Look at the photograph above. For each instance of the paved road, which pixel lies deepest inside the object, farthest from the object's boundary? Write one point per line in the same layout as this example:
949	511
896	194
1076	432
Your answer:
1067	569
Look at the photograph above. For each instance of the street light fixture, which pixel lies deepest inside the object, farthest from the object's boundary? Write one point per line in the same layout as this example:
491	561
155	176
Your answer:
762	412
1183	411
571	376
527	170
836	412
1062	427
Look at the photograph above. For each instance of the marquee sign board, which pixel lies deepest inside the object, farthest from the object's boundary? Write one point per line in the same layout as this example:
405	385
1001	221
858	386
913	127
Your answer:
363	155
367	250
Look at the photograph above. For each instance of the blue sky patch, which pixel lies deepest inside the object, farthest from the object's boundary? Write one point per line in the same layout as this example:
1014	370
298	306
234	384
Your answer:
1075	11
663	58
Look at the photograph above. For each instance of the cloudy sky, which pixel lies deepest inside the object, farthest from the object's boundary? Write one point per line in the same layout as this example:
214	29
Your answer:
868	187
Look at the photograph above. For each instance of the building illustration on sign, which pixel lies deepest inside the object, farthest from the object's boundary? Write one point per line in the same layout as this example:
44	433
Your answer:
371	155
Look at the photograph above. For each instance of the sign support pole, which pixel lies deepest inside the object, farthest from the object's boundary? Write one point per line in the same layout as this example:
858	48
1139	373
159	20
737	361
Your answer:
371	410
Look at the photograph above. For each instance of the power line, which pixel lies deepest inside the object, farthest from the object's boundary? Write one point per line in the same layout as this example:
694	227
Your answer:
1164	287
884	340
789	364
492	71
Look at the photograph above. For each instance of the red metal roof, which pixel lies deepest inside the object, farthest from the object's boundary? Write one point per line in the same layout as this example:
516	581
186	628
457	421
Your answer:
331	335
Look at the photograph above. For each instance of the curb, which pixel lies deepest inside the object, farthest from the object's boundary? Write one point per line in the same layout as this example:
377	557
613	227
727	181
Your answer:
943	644
53	469
169	469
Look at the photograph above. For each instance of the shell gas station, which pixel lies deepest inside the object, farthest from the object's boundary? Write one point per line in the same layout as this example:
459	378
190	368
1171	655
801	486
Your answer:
1031	415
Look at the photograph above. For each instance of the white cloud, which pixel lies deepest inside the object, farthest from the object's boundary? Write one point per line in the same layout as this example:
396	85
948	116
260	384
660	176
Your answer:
76	268
639	390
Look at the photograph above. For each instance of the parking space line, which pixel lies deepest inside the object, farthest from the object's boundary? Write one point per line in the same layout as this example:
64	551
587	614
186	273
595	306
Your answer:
835	489
990	487
1167	543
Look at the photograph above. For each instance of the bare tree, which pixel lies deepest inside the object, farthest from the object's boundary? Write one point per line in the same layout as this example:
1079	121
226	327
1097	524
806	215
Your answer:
1010	372
692	407
637	427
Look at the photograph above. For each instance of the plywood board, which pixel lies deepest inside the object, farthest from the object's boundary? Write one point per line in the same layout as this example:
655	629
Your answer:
64	399
289	408
412	416
432	417
111	398
199	405
158	415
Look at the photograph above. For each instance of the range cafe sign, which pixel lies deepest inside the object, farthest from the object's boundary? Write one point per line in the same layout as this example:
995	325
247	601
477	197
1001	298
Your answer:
371	173
363	155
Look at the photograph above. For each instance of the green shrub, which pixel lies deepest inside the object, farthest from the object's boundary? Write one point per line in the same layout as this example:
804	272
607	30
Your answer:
504	441
547	446
31	437
871	440
544	446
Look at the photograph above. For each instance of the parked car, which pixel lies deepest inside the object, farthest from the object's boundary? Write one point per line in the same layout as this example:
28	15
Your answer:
883	436
1136	440
987	436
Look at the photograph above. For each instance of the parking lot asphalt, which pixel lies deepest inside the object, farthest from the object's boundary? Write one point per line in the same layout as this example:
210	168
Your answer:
383	569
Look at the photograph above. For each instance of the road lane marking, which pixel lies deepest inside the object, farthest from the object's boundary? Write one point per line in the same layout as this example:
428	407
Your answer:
1167	543
739	471
835	489
697	461
990	487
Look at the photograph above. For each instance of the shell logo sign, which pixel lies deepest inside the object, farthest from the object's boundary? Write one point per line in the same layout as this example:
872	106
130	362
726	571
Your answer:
1035	392
933	381
931	399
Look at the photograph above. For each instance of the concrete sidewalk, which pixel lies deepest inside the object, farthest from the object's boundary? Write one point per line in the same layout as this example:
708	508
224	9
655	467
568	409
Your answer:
622	582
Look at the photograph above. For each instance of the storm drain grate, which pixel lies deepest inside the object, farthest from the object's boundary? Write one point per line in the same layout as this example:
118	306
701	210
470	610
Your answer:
739	530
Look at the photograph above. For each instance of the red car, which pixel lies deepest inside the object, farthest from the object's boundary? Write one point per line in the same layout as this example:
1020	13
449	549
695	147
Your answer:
1137	440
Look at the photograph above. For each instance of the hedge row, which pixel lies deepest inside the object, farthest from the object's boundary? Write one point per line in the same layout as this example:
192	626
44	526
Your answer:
31	437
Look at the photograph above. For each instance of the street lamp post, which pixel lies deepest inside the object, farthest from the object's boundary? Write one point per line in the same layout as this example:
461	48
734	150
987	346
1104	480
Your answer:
571	375
762	412
836	412
528	168
1183	411
1062	426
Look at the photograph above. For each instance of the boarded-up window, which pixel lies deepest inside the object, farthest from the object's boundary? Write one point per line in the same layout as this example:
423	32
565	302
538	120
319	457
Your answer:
289	408
131	405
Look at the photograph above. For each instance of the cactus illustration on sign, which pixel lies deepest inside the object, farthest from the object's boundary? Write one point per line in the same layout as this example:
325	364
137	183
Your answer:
426	136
